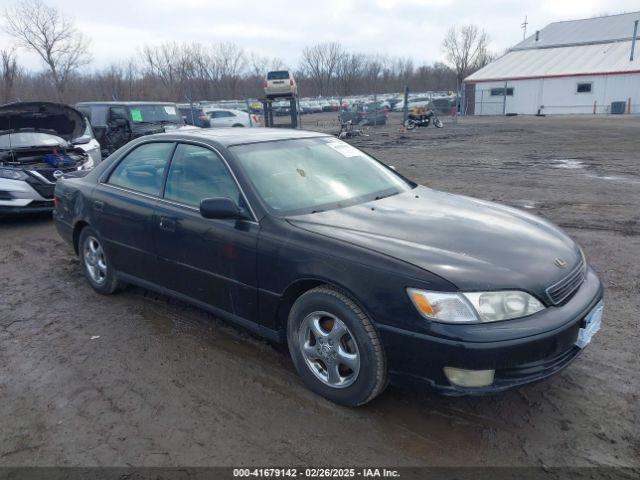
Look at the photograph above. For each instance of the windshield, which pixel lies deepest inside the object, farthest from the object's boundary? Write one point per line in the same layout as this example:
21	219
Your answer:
155	114
315	174
30	139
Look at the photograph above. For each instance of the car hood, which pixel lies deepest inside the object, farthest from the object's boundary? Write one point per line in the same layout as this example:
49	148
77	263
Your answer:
54	118
474	244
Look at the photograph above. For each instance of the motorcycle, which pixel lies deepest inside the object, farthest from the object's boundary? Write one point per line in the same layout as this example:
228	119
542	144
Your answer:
423	120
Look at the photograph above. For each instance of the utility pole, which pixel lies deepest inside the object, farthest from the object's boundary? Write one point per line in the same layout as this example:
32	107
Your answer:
524	28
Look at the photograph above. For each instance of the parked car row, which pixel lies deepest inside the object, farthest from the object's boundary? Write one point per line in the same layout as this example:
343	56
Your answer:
41	141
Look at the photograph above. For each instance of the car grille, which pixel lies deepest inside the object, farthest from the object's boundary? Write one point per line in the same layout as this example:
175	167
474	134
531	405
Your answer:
48	172
565	288
43	181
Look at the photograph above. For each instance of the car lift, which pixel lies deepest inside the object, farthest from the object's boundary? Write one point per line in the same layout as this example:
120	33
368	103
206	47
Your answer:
267	109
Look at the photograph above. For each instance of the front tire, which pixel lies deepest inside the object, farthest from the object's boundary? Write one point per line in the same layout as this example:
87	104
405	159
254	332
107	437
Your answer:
335	347
96	264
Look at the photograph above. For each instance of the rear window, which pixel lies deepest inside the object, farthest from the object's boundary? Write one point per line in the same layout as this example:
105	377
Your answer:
280	75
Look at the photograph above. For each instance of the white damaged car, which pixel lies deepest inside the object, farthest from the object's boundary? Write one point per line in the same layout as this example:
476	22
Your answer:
40	142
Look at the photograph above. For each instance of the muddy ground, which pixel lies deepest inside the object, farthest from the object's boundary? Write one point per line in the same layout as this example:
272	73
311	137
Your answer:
139	379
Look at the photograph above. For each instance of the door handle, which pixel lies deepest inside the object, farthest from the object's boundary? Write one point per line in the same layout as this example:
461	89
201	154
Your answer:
98	205
167	224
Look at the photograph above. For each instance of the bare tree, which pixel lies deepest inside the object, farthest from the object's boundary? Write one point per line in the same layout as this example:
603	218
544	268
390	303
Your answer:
8	74
373	70
259	66
231	62
160	63
466	50
349	71
54	37
319	63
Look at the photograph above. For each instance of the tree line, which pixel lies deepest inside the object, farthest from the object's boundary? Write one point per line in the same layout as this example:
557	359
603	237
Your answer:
181	72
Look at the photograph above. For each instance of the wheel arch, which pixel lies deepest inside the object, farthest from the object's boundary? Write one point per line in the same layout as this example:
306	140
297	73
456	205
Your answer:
77	229
297	288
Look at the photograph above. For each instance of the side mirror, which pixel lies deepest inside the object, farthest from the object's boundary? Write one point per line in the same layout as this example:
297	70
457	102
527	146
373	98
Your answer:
220	208
83	140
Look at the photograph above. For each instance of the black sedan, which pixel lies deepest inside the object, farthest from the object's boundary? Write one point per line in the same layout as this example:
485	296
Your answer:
369	277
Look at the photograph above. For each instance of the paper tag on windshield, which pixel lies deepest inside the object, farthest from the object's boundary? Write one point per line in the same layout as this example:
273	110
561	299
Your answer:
170	109
344	149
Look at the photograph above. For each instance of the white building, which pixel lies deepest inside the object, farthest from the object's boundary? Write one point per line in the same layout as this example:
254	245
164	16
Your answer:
573	67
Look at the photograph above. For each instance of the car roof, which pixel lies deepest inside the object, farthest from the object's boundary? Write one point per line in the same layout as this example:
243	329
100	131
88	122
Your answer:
125	103
205	109
240	136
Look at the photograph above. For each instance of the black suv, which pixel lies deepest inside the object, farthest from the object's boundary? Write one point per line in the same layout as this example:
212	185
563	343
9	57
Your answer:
117	123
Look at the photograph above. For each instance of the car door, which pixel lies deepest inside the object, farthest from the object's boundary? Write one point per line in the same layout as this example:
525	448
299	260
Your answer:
124	203
210	260
118	127
231	119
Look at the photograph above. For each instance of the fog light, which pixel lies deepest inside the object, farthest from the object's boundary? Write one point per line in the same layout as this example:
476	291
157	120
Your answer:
469	378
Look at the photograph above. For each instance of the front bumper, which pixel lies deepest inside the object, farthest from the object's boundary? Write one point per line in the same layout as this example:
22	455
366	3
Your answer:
417	360
18	197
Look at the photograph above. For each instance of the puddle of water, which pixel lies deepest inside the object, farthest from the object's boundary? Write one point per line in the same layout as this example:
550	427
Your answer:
530	205
573	164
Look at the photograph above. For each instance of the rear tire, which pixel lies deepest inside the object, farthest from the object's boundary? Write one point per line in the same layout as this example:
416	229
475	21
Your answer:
335	347
237	125
96	265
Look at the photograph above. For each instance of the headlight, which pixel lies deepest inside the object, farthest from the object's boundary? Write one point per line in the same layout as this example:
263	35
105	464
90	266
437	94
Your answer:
474	307
88	165
496	306
443	307
12	174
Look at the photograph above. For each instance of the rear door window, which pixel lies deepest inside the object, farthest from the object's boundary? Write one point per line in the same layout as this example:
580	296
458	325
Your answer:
142	170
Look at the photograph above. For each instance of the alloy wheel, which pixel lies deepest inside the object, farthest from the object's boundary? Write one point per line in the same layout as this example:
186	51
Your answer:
329	349
94	260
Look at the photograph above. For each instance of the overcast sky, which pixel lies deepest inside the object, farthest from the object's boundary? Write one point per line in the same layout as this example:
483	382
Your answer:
281	28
